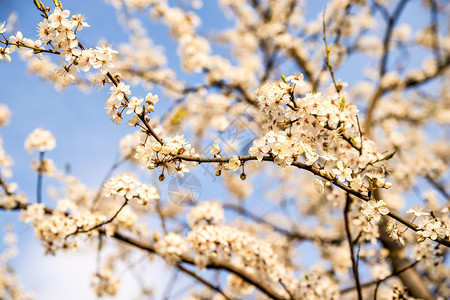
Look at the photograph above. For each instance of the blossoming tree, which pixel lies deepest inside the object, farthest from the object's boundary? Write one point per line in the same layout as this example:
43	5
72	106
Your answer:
339	160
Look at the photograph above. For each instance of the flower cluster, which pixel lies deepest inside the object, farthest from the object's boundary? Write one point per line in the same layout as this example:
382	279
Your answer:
40	140
312	126
106	283
172	247
210	213
58	30
315	111
431	228
44	166
10	287
373	210
342	173
152	154
127	186
118	101
5	114
426	253
238	286
285	148
52	229
5	160
213	242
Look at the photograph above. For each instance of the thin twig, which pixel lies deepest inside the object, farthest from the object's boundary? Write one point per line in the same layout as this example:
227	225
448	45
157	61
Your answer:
286	289
368	284
360	136
440	187
202	280
289	234
315	171
169	286
99	250
327	51
161	215
391	20
79	230
39	178
107	176
435	29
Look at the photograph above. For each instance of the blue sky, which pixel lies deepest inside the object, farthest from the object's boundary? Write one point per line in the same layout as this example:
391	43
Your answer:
86	139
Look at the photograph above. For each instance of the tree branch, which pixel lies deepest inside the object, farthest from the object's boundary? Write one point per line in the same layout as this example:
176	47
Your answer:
348	202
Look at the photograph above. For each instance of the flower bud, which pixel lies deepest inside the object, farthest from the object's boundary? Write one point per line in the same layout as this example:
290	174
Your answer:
157	146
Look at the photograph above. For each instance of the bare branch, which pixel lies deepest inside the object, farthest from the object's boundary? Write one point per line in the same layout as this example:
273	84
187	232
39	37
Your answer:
350	244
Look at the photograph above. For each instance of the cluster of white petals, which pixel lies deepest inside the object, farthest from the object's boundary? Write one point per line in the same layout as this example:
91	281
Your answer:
373	210
214	242
151	154
106	283
209	213
172	247
313	127
40	140
57	34
5	114
295	125
5	160
10	287
129	187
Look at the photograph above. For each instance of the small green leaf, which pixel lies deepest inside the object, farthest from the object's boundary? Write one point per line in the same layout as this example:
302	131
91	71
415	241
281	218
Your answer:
284	79
342	104
390	155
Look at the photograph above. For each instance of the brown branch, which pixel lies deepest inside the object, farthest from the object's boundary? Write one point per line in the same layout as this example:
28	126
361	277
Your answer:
107	176
409	277
214	265
387	36
393	274
348	139
315	171
79	230
335	42
384	58
303	64
289	234
286	289
202	280
348	202
36	49
440	187
141	116
435	29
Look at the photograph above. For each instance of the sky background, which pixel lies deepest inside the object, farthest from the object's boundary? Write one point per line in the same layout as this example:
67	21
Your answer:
86	140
